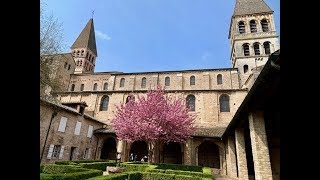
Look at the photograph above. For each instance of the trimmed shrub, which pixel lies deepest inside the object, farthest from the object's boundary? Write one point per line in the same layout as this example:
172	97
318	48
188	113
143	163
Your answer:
97	165
136	167
134	175
185	177
67	172
157	170
75	162
188	173
57	169
179	167
111	176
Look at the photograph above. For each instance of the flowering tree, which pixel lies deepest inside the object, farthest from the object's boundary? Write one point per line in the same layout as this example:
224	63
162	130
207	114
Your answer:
154	118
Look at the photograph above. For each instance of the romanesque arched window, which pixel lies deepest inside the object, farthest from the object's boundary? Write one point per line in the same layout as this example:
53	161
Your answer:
264	25
104	103
82	87
143	82
256	47
122	82
82	51
72	87
130	97
224	103
167	81
192	80
245	68
191	102
95	86
246	50
241	27
266	46
219	79
253	26
105	86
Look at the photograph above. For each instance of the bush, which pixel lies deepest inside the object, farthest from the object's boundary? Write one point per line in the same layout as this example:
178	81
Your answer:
111	176
185	177
57	169
66	172
188	173
136	166
134	175
75	162
157	170
179	167
97	165
157	176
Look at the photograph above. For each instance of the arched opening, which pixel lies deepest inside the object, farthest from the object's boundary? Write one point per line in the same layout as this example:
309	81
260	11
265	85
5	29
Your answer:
219	79
167	81
122	82
95	86
139	149
172	153
109	149
246	50
191	102
241	27
266	46
192	80
224	103
245	68
208	155
264	25
143	82
72	87
253	26
256	48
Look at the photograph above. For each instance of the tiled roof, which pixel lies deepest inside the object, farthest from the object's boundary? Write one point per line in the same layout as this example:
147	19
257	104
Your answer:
86	39
244	7
209	132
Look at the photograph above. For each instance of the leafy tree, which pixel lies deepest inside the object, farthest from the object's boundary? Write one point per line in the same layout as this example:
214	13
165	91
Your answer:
153	118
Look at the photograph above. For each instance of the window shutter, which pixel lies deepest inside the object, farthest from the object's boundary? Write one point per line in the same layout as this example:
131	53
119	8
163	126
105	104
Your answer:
89	134
62	125
50	151
61	152
77	129
89	153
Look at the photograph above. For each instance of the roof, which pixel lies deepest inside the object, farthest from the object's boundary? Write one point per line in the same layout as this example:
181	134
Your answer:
69	109
153	72
86	39
209	132
76	103
244	7
264	90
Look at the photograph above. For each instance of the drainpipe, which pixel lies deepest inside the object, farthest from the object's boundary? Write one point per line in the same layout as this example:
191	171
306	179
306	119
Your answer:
45	141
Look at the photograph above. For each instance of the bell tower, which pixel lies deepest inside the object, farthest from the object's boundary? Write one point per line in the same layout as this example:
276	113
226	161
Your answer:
84	50
252	36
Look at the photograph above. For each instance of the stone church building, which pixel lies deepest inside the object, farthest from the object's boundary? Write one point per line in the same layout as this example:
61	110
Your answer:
231	135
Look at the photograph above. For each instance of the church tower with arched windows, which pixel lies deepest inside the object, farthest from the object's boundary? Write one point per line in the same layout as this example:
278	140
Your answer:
84	50
252	36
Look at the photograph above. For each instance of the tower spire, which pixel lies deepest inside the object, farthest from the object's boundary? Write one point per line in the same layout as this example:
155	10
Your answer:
86	39
246	7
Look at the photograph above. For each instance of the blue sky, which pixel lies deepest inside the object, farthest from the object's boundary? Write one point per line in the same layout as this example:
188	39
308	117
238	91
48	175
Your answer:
153	35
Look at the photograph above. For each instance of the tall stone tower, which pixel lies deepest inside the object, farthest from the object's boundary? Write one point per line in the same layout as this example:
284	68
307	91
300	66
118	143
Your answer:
252	36
84	50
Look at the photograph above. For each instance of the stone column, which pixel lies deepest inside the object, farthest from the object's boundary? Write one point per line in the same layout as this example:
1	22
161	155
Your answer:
260	149
241	154
120	149
231	158
187	152
223	167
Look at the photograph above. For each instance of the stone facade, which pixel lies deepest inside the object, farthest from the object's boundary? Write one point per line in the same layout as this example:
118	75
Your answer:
64	135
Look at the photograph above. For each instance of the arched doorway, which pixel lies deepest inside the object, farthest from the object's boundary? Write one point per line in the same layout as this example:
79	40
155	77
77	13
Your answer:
172	153
139	148
208	155
109	149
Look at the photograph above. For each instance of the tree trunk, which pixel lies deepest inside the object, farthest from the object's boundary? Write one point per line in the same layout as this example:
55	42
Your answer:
150	151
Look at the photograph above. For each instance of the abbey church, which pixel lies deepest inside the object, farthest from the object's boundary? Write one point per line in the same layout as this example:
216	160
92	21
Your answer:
237	125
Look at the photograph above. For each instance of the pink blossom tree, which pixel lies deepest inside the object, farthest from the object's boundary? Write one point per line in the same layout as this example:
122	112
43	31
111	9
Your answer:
154	118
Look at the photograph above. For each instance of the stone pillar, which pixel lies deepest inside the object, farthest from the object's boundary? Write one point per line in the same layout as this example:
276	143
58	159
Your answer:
187	152
231	158
223	166
120	149
241	154
260	149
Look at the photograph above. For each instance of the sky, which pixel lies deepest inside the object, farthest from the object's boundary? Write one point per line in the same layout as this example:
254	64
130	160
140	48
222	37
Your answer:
153	35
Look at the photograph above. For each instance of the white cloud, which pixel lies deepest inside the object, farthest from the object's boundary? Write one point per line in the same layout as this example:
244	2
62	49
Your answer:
206	55
102	35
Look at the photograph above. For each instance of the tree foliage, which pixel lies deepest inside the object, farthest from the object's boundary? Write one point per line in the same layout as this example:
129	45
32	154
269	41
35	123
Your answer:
154	117
50	44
